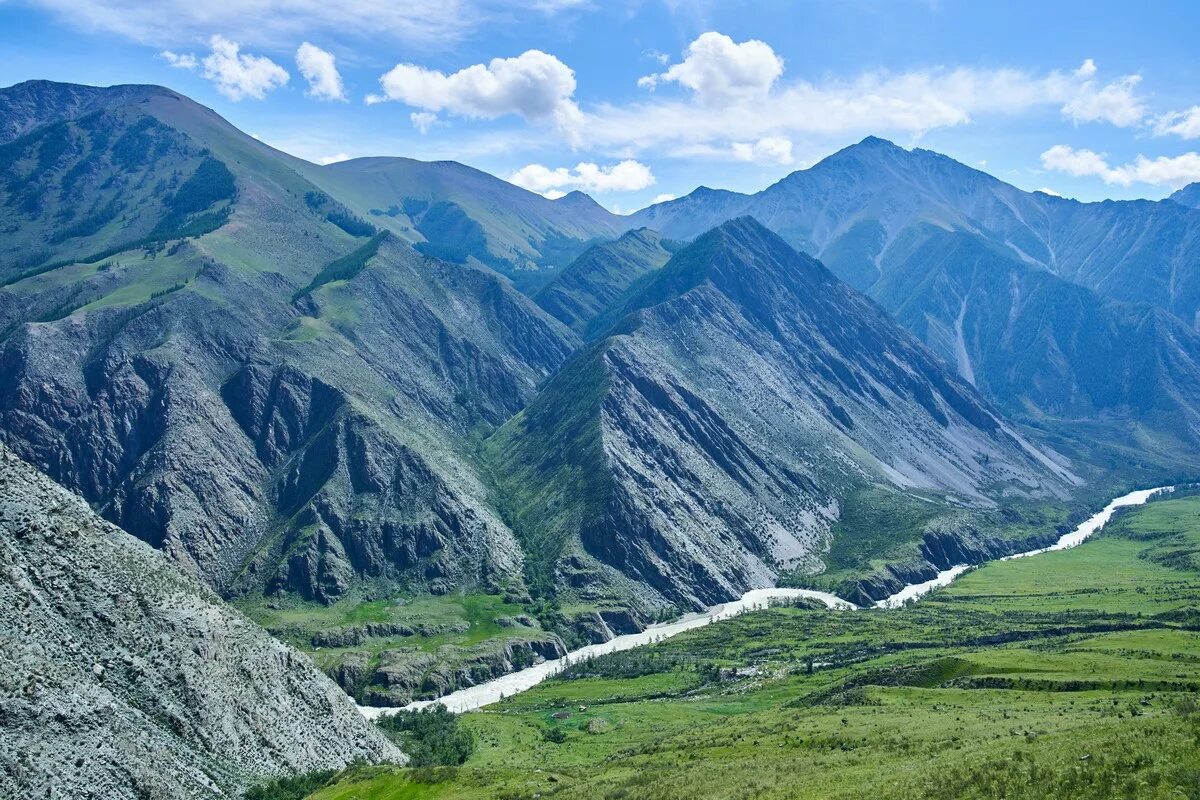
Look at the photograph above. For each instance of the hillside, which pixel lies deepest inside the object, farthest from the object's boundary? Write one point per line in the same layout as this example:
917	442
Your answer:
722	427
457	213
382	451
911	229
125	678
596	280
1062	675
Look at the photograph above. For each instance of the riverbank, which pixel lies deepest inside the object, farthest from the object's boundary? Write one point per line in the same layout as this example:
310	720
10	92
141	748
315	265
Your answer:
492	691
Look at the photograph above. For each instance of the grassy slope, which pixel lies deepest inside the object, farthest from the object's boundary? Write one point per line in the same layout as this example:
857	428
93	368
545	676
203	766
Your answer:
1070	674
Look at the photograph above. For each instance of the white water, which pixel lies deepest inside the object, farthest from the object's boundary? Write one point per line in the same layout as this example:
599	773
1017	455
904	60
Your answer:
473	697
1096	521
914	590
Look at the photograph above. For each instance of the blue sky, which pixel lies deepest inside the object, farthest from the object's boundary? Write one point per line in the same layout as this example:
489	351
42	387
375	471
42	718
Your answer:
632	100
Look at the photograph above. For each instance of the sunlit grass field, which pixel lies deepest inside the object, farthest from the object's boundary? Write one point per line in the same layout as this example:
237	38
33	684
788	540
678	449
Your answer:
1071	674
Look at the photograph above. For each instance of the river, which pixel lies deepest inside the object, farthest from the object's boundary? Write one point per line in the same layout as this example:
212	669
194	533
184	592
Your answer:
474	697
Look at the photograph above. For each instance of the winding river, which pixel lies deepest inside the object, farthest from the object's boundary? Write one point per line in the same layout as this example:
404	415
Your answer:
474	697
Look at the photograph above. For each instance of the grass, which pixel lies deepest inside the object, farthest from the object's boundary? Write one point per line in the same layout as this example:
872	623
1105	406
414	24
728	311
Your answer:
1072	674
297	621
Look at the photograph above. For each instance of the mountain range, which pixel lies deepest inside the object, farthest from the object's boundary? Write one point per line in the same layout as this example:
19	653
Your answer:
400	392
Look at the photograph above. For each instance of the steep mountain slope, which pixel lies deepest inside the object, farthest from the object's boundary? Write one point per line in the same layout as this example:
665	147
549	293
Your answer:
1188	195
712	438
32	104
598	278
124	678
911	228
1051	351
238	396
458	213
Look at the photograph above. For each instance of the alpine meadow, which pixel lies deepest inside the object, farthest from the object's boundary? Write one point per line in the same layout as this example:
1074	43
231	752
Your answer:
391	408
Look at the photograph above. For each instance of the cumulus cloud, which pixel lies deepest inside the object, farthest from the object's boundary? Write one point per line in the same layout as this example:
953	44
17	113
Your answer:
1116	103
239	75
319	68
758	102
768	150
179	60
1171	171
333	159
236	74
534	85
718	70
625	176
1184	124
666	197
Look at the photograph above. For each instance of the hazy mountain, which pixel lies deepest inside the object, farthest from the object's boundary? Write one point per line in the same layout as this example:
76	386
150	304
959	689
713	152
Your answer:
1188	195
599	277
124	678
915	229
712	438
458	213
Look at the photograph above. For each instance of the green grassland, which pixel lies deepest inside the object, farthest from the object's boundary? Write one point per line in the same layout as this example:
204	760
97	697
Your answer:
1071	674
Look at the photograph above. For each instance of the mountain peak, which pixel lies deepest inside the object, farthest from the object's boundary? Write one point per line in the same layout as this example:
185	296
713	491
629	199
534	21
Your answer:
1188	196
31	104
878	142
579	199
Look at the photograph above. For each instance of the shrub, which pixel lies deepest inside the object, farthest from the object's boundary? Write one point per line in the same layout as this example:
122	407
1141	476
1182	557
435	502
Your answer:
296	787
431	737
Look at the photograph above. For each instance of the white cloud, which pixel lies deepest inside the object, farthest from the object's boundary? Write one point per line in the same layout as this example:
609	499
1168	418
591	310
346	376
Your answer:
236	74
179	60
662	198
423	120
533	85
1171	171
1185	124
553	194
718	70
333	159
1049	191
1116	103
319	68
907	103
625	176
279	24
768	150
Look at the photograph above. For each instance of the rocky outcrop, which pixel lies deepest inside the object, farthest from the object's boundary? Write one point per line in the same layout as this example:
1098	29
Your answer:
942	546
709	440
599	277
122	677
406	675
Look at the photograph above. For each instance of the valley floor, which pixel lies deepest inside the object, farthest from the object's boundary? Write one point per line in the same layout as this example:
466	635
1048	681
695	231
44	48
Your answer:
1072	674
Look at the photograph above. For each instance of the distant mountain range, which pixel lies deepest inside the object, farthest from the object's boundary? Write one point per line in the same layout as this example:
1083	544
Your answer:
387	379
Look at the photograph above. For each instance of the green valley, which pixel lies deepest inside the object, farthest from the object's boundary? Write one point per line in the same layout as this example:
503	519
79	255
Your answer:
1068	674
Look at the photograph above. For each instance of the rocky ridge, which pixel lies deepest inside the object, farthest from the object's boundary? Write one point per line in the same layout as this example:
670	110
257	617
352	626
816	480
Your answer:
122	677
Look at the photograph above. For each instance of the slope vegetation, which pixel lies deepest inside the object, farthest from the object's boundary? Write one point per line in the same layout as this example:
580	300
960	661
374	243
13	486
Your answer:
713	437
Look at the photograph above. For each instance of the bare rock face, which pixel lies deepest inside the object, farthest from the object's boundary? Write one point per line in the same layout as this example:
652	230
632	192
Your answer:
708	441
121	676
